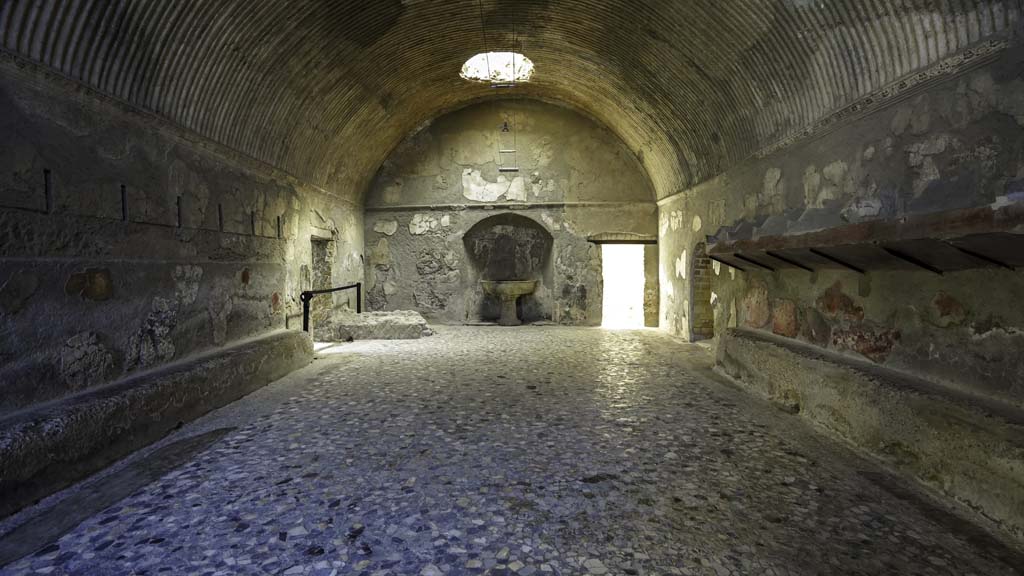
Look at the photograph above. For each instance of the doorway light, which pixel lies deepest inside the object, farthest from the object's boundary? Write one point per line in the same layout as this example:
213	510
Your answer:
623	302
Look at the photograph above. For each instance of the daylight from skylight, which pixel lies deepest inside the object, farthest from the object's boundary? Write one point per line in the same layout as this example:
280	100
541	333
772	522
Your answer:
498	67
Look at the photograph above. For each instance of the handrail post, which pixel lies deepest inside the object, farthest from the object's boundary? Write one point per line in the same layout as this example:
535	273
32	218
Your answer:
305	297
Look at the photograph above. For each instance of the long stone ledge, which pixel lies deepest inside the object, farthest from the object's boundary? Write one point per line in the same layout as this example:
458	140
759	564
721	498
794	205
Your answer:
46	448
967	448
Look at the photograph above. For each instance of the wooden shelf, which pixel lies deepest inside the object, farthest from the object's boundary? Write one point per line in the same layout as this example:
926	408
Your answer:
939	242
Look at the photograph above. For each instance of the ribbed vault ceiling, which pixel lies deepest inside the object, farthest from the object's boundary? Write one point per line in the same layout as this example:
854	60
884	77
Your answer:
324	89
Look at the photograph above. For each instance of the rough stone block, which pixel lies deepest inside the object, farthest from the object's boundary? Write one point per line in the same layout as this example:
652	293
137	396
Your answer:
344	326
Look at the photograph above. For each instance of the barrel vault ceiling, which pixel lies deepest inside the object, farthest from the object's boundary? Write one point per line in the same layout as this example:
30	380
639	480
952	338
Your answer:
325	89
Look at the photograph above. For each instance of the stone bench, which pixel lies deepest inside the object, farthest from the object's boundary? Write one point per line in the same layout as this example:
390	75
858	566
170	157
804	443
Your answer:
967	447
344	326
48	447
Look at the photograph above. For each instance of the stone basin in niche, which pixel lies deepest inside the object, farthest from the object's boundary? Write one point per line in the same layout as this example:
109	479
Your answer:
508	292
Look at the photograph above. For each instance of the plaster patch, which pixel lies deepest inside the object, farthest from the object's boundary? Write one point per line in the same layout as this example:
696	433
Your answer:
386	227
542	152
94	284
422	223
446	221
756	308
476	187
380	255
676	220
812	184
393	192
517	190
717	267
919	156
541	186
834	182
84	361
861	209
186	284
1007	200
697	224
152	344
681	266
219	307
773	195
936	144
550	221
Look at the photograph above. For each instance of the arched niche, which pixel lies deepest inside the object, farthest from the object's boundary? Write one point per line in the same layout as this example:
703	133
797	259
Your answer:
508	247
505	247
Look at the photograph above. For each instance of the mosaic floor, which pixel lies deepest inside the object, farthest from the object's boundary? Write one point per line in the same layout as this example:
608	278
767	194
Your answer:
519	451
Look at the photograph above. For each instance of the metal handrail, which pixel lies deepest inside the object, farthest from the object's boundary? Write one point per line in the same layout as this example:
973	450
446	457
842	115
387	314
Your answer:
308	295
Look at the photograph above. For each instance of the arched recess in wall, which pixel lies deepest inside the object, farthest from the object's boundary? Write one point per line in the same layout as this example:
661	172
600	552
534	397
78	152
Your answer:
508	247
703	313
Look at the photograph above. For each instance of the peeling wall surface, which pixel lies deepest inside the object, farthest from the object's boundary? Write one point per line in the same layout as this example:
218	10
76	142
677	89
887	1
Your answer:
959	144
575	180
125	244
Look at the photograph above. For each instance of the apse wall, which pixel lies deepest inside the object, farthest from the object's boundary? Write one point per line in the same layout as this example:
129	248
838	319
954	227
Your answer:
956	146
576	180
127	243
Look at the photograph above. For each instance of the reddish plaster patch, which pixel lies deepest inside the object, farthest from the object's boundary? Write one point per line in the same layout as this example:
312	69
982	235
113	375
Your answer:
867	341
275	302
756	311
836	304
94	284
784	319
947	310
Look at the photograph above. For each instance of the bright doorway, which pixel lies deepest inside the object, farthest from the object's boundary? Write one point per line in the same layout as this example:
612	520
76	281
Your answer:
623	303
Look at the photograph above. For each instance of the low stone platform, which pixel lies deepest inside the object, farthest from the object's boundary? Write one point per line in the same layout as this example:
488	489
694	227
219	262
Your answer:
968	447
345	326
46	448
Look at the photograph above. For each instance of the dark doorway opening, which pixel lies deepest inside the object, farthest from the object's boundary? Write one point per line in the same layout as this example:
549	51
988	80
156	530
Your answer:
322	277
703	326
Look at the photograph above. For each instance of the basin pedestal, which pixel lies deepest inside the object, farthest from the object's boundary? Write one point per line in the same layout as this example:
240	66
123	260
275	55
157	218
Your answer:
508	292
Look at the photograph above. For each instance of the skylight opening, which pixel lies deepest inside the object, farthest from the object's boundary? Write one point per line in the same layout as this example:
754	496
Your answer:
501	67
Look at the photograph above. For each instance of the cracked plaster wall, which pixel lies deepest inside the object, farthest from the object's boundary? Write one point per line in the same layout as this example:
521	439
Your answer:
576	179
958	145
86	298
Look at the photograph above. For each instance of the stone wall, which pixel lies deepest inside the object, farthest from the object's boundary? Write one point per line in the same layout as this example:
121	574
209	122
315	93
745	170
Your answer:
576	180
127	243
959	144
